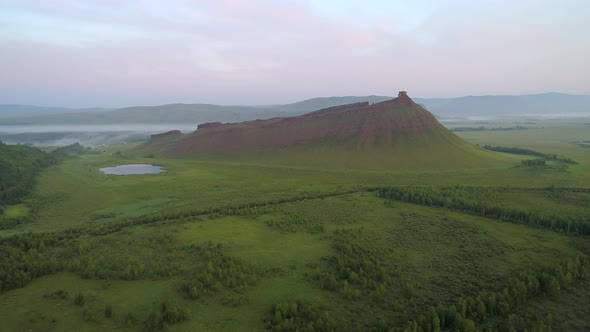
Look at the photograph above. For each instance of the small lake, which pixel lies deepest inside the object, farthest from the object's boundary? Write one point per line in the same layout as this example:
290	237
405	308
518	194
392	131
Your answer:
132	169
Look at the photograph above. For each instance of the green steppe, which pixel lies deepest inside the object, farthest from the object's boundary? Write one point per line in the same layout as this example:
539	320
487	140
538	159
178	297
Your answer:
430	255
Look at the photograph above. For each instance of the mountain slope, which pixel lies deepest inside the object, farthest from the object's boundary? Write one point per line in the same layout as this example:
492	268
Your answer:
395	133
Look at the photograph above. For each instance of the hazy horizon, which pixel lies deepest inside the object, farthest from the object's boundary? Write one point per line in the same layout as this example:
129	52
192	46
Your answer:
114	54
196	102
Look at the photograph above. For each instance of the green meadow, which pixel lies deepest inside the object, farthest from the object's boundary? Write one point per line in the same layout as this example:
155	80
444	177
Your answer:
220	245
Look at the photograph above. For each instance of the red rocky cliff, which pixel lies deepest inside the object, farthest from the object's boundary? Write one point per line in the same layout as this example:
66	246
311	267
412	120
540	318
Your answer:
360	125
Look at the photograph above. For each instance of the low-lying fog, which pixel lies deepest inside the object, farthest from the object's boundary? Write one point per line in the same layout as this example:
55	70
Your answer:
516	117
87	135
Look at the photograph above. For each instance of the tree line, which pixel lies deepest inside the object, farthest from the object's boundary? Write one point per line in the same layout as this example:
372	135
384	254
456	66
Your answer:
18	266
358	266
219	271
301	316
469	200
164	315
19	166
533	162
24	258
482	128
527	152
468	313
253	208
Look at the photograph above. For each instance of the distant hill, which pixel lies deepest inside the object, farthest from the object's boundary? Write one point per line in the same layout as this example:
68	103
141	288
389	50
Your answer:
537	104
395	133
12	110
173	113
546	103
325	102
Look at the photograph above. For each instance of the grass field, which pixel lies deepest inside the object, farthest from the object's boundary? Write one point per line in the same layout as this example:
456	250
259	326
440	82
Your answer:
426	268
16	211
289	244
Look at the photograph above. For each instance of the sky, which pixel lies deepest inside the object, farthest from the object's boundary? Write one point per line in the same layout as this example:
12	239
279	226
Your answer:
113	53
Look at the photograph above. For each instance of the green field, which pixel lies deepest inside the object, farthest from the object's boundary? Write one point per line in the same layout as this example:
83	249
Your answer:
233	246
16	211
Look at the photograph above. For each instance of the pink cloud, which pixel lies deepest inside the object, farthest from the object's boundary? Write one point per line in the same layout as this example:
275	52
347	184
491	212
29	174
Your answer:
259	51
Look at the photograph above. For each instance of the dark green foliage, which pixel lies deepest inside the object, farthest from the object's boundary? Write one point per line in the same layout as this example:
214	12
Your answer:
567	312
480	202
72	150
527	152
11	223
235	300
482	128
511	150
533	162
24	258
157	256
153	322
181	216
108	311
357	266
19	164
57	295
292	222
79	299
166	314
301	316
88	315
129	319
469	312
217	272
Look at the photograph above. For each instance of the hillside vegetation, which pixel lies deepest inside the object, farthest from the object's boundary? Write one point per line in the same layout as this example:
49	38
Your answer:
228	245
19	164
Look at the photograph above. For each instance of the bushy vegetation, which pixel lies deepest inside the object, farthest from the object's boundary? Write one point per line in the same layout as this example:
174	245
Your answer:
249	209
24	258
164	315
357	267
480	201
218	272
100	257
19	164
292	222
482	128
533	162
356	262
468	313
301	316
527	152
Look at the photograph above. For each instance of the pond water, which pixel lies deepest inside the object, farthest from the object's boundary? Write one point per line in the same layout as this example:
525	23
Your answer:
132	169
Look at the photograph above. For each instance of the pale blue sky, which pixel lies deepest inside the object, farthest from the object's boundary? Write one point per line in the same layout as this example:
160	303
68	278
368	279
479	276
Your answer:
118	53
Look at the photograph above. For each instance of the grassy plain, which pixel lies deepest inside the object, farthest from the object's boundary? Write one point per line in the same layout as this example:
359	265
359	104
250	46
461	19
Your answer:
16	211
431	256
435	256
76	192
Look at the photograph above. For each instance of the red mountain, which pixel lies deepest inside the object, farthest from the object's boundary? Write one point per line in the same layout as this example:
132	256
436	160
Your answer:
351	135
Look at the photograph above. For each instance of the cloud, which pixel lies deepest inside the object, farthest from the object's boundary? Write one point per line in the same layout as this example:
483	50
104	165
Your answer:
116	53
